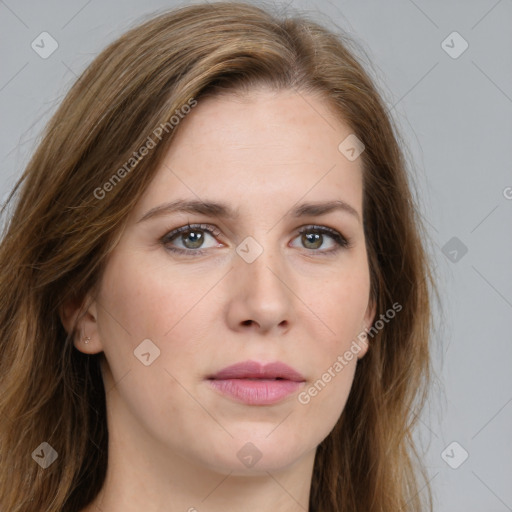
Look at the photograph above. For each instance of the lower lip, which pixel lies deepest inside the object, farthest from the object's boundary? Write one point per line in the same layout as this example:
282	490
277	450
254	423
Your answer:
256	392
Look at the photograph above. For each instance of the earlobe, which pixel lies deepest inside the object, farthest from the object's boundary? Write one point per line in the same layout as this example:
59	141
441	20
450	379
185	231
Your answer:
81	324
371	311
363	340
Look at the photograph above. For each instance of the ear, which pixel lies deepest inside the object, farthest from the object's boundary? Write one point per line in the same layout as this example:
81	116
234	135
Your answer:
79	317
367	322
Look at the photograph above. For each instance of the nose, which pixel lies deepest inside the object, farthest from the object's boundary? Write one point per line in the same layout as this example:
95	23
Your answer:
261	295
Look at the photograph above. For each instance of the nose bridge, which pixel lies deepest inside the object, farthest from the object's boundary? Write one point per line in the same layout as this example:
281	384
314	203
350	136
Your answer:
261	282
258	263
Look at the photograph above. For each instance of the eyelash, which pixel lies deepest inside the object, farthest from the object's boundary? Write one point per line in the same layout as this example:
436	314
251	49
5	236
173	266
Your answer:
341	241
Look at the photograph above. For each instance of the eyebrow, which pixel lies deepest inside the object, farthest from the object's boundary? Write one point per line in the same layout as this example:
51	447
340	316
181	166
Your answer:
224	211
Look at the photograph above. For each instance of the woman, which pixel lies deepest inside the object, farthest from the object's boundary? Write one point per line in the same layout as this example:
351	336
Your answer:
215	294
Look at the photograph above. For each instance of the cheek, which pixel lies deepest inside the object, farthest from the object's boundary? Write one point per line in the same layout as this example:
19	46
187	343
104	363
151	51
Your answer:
341	302
325	396
148	300
341	305
140	303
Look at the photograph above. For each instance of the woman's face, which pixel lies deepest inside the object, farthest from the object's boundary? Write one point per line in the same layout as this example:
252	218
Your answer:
174	309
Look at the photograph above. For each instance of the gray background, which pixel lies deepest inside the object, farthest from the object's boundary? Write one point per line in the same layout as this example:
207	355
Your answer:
456	118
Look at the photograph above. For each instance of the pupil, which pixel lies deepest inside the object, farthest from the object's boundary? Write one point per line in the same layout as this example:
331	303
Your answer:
312	238
194	235
197	238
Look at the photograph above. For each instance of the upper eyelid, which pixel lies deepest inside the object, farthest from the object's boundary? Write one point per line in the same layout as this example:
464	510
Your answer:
209	228
214	231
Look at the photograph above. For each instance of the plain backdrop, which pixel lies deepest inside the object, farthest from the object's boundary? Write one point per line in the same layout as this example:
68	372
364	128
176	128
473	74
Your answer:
445	71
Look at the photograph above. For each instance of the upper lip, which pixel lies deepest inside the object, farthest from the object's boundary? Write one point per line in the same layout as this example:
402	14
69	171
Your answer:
255	370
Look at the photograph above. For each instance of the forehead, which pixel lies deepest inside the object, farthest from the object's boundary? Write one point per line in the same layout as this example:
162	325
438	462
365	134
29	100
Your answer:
259	148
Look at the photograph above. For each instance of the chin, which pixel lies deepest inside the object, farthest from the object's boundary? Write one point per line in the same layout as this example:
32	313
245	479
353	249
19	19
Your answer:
259	453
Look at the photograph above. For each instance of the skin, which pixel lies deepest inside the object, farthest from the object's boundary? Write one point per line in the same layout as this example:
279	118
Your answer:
173	441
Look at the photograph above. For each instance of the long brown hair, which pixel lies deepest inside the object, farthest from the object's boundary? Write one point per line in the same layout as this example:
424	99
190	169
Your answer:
61	231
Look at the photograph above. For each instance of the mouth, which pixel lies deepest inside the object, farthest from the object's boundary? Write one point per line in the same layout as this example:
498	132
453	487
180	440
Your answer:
253	383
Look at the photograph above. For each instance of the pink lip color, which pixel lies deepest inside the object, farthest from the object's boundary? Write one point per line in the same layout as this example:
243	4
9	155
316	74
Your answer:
255	384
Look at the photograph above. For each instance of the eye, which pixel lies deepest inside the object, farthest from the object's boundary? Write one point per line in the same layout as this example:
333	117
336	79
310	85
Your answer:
192	237
313	237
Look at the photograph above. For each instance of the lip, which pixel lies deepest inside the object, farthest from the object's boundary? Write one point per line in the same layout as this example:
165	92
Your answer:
255	383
